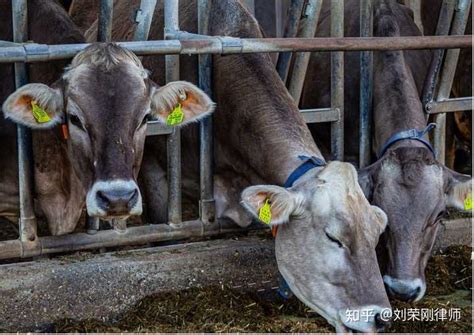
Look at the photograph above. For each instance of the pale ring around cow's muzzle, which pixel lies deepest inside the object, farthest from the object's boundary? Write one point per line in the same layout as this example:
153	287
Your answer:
114	199
405	289
365	319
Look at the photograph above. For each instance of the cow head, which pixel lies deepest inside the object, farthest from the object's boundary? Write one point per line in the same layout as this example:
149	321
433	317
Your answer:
325	245
105	98
414	190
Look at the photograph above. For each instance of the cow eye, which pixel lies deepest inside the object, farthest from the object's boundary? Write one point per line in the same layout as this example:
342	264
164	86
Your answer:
76	121
334	240
145	120
441	215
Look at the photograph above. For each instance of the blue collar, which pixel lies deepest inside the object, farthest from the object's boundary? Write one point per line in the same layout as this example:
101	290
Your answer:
411	134
308	164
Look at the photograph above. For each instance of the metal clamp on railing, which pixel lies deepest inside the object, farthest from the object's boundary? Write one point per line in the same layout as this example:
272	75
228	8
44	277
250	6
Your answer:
231	44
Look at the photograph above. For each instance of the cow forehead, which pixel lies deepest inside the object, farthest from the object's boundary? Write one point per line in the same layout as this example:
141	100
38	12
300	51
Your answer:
426	177
339	195
119	92
124	76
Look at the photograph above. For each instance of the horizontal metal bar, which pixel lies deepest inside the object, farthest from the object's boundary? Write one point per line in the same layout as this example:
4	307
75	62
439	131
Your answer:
450	105
157	128
131	236
319	115
31	52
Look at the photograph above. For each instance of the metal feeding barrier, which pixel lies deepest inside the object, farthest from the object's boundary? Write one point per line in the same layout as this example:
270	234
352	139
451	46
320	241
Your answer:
177	42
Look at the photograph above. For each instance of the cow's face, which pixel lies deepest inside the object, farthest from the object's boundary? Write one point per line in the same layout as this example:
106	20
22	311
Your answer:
414	190
105	99
325	245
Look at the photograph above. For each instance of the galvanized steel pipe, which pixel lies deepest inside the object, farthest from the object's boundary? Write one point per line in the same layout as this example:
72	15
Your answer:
311	14
207	211
27	221
446	78
366	82
337	81
174	139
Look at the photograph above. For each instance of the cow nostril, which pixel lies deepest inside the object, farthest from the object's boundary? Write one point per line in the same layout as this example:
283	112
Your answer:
117	200
133	199
103	200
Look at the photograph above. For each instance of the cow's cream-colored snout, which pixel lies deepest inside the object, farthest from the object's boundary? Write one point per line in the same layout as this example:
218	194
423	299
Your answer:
114	199
365	319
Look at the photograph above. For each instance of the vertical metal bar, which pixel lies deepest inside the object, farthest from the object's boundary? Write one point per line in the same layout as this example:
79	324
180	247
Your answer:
366	82
291	29
461	15
143	18
311	13
27	224
442	28
207	211
104	33
174	139
279	18
337	81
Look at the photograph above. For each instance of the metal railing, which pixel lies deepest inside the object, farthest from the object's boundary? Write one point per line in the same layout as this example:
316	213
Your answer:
175	43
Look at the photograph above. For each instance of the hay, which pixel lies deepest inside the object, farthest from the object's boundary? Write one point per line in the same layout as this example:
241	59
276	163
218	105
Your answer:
219	309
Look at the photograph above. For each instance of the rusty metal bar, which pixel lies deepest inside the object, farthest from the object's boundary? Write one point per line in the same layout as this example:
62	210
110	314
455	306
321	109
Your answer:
104	32
308	29
319	115
174	139
111	238
446	78
366	82
32	52
337	81
27	221
207	211
450	105
291	29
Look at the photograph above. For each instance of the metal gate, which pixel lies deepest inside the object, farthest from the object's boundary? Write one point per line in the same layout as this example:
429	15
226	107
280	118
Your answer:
177	42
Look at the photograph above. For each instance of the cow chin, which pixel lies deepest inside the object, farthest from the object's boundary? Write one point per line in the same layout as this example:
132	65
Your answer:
114	199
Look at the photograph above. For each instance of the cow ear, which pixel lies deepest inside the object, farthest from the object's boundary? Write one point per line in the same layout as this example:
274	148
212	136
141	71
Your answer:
282	202
459	190
179	103
36	106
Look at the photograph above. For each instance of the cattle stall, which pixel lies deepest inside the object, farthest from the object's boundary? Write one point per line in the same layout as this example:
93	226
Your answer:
297	44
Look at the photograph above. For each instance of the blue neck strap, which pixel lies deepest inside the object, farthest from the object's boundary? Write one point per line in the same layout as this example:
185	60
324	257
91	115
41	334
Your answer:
411	134
309	163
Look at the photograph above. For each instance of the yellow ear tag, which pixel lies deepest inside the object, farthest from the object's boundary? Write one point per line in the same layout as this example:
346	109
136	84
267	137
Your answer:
468	202
265	213
176	116
39	113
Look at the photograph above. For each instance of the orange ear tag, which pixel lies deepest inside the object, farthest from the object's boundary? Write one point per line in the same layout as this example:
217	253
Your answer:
65	131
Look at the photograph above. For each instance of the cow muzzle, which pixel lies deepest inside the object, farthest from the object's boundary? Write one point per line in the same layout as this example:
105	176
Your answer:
114	199
365	319
405	289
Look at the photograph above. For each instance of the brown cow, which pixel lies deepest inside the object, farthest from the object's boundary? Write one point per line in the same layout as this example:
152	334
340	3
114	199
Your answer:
406	181
325	244
104	97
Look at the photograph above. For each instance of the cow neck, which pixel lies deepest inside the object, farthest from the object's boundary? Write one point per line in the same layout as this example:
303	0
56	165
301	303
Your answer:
397	105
